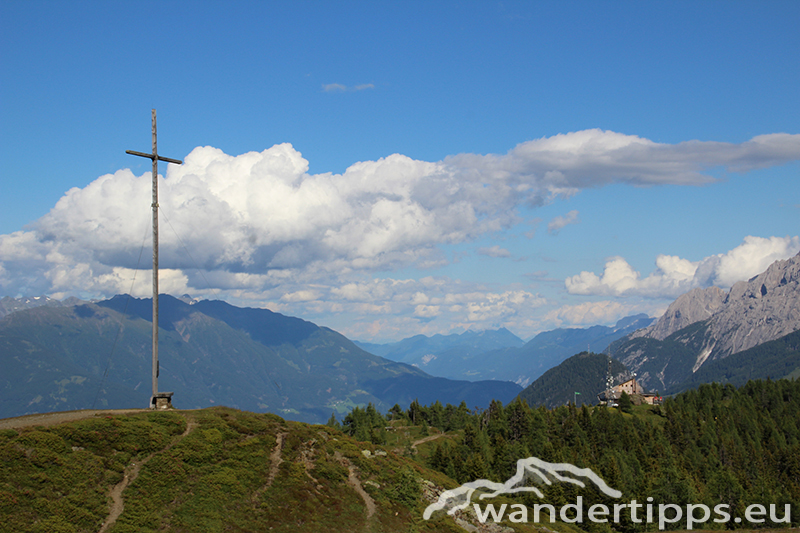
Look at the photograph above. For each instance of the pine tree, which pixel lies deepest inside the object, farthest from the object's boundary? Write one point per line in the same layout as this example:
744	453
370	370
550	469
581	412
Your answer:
333	422
625	403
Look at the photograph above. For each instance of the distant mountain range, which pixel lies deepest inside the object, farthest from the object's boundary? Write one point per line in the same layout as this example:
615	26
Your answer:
710	335
439	354
499	354
60	357
9	305
76	355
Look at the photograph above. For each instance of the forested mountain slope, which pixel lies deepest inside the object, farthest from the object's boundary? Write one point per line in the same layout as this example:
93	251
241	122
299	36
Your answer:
579	379
713	445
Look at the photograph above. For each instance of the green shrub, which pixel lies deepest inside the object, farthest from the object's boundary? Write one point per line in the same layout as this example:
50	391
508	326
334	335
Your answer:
405	488
43	440
45	458
212	435
330	470
54	524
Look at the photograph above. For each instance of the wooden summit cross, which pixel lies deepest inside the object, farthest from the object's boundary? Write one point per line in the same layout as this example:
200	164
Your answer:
159	400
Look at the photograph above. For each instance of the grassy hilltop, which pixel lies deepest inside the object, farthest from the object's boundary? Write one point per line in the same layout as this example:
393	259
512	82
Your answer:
214	469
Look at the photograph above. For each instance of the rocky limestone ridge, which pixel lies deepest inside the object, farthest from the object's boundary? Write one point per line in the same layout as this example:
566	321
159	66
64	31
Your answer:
761	309
691	307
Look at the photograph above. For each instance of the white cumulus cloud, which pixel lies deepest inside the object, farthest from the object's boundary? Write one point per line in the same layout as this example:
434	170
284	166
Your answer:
426	311
674	275
493	307
258	227
603	312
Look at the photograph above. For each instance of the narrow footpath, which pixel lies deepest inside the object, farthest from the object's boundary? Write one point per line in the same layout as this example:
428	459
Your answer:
132	472
275	461
355	483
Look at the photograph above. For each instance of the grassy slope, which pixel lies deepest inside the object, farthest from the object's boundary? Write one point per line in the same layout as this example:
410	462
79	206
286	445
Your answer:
210	470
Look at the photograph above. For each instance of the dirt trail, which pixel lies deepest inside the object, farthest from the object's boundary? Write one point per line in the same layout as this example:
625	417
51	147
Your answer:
426	439
131	473
353	481
275	461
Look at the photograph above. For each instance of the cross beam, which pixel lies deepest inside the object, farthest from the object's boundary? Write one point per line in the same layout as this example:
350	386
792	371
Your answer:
155	158
159	157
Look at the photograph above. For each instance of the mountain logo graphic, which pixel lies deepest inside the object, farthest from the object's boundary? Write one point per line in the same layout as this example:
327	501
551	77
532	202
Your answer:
530	468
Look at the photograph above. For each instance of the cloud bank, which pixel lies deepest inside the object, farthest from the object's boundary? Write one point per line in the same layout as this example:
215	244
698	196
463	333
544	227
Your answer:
259	227
674	276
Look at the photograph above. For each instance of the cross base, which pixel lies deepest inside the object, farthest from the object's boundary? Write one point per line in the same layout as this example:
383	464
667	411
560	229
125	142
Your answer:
161	400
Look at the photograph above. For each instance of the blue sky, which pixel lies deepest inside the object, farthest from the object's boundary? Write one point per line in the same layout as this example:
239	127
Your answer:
393	168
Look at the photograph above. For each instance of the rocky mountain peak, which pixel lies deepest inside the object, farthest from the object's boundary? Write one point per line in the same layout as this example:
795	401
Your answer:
761	309
691	307
706	325
781	276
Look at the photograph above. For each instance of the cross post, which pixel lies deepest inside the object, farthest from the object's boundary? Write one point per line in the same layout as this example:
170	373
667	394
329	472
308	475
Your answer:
158	399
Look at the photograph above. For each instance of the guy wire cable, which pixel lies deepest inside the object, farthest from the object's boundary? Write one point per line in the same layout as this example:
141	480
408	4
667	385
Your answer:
119	330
